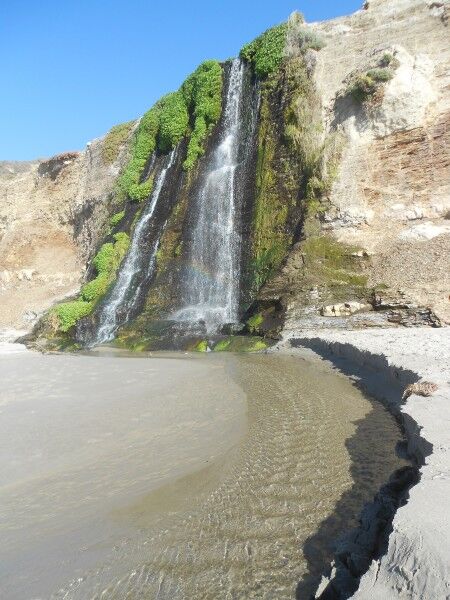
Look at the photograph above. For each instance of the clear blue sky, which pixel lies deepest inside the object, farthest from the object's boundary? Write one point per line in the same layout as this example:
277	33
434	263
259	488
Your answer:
73	68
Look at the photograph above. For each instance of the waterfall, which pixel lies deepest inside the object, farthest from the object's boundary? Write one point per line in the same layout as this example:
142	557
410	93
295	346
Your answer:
125	291
211	287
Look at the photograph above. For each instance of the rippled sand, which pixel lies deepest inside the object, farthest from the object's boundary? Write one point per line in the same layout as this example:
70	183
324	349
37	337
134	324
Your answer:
198	477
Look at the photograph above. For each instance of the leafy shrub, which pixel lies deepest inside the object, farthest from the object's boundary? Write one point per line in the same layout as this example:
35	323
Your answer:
104	259
202	92
114	140
386	59
300	38
380	75
143	146
308	39
116	218
69	313
106	263
141	191
196	146
95	289
266	52
173	121
166	123
362	87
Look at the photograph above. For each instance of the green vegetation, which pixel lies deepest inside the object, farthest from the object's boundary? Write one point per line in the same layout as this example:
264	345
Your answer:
116	218
257	346
143	145
141	191
287	40
300	38
106	263
389	60
199	102
333	267
96	288
200	346
173	121
222	345
362	87
266	52
239	343
202	92
114	140
380	75
284	166
254	322
69	313
366	86
270	237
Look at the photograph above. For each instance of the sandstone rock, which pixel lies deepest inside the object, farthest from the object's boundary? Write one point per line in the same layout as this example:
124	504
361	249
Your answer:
5	276
345	309
25	274
407	96
424	231
52	215
30	316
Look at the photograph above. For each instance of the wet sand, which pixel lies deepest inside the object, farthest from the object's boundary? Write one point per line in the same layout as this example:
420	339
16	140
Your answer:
180	477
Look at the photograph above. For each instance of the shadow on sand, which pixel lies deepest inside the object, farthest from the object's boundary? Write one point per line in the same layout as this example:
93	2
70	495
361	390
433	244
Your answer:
351	537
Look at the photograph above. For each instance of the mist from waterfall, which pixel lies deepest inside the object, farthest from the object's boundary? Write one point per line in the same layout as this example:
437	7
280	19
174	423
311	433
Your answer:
211	287
138	265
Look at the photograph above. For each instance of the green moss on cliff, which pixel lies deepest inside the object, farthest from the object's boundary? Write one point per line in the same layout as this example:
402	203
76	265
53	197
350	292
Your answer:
106	263
114	140
144	144
265	53
141	191
239	343
336	269
69	313
200	346
277	186
173	121
254	322
116	218
202	92
199	102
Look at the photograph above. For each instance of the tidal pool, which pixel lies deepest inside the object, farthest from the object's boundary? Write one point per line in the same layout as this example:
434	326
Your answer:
180	476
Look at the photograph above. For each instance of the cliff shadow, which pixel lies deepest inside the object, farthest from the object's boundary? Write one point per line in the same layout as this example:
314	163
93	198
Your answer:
358	529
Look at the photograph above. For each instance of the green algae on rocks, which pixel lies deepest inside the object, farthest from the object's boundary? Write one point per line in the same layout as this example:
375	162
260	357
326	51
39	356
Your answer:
106	263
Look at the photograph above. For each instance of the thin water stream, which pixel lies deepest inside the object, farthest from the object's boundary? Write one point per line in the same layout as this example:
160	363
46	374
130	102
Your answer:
136	267
178	477
211	288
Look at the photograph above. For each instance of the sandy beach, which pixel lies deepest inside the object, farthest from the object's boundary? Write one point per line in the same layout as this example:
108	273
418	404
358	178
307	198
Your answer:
188	474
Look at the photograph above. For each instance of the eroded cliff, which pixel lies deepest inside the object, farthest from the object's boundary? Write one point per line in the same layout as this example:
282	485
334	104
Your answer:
345	199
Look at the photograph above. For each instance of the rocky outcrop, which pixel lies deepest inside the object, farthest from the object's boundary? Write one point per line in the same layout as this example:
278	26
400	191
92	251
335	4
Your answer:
345	309
53	213
392	194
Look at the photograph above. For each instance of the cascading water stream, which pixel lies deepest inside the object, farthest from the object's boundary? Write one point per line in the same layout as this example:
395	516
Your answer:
129	280
211	287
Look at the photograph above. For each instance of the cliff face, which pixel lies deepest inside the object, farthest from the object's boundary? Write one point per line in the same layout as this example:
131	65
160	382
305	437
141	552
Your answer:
349	192
391	197
52	215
